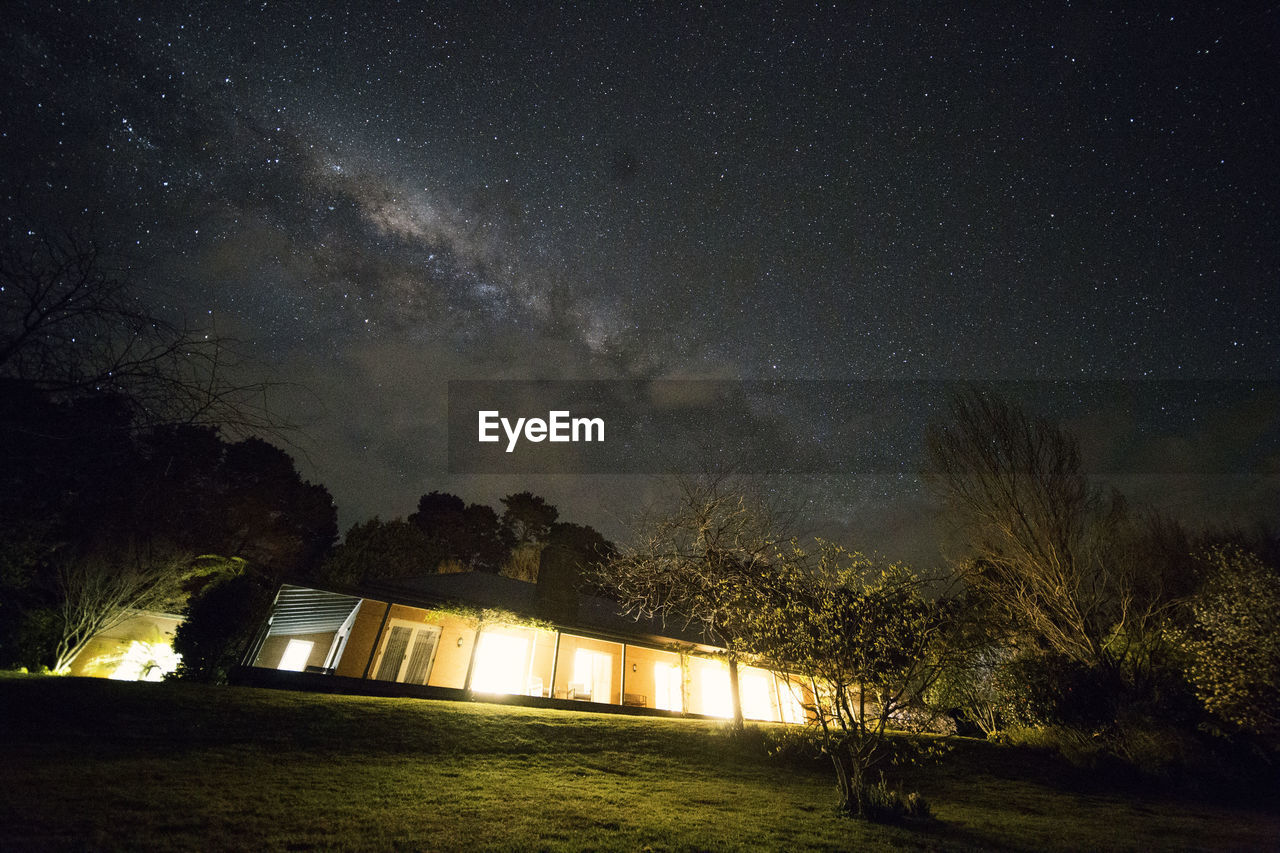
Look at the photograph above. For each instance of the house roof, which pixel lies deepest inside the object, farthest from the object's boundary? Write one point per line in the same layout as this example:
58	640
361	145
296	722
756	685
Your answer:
595	614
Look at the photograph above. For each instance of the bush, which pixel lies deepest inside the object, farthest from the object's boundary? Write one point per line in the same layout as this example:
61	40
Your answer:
220	623
890	805
1050	690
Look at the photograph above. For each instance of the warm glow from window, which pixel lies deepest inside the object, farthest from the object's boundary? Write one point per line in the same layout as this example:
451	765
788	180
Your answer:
716	698
501	660
789	693
757	694
592	675
296	655
146	662
667	680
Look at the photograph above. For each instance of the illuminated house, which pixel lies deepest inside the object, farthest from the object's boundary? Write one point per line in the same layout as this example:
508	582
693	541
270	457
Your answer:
488	637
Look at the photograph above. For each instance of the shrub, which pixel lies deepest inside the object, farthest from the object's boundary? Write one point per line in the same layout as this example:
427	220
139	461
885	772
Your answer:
220	623
890	805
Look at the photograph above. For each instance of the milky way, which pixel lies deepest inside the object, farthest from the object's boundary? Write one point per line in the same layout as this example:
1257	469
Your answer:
378	200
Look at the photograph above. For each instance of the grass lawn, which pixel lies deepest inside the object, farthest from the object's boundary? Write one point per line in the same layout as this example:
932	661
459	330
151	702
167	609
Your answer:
101	765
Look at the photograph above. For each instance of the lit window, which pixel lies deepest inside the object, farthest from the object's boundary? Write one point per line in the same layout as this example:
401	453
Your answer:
717	701
296	655
592	675
668	694
757	694
500	664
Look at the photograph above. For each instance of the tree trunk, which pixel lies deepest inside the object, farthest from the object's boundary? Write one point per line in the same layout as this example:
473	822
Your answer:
851	782
842	783
738	722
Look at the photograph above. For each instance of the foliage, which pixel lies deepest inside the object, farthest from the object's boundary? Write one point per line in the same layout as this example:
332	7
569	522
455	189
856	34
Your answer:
890	805
528	517
692	563
99	590
524	561
379	550
1076	591
528	520
1232	641
1064	568
1053	690
971	685
271	517
113	474
868	638
220	624
569	552
97	519
468	533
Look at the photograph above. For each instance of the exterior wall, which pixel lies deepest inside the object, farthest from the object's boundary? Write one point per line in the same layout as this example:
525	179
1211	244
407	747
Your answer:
364	633
109	653
453	650
457	637
273	649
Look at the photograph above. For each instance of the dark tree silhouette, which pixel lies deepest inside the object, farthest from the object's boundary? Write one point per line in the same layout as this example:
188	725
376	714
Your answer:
528	517
470	534
378	550
72	323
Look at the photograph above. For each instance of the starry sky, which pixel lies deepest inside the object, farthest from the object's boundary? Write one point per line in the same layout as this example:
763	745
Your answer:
375	200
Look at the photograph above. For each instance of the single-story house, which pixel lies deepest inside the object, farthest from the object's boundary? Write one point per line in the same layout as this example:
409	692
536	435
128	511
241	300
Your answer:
475	635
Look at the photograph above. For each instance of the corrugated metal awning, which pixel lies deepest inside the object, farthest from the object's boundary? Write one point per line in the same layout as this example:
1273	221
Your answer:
299	610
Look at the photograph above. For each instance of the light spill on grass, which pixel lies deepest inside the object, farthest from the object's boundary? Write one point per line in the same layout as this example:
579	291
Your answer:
118	766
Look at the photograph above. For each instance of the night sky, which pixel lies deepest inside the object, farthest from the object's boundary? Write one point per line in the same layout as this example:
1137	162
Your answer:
378	200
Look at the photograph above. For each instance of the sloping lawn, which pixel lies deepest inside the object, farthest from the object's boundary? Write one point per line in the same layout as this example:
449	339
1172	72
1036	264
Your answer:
117	766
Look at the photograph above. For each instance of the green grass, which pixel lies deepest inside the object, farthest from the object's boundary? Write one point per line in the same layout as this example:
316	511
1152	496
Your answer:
113	766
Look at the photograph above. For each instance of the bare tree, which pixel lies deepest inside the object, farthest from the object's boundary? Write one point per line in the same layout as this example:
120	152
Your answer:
101	590
71	324
1058	561
690	563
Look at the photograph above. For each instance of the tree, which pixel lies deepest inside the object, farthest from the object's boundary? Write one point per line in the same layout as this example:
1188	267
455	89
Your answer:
1061	565
692	563
571	553
282	524
1232	641
469	534
528	517
377	550
113	473
220	624
973	679
868	638
73	325
100	590
527	520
